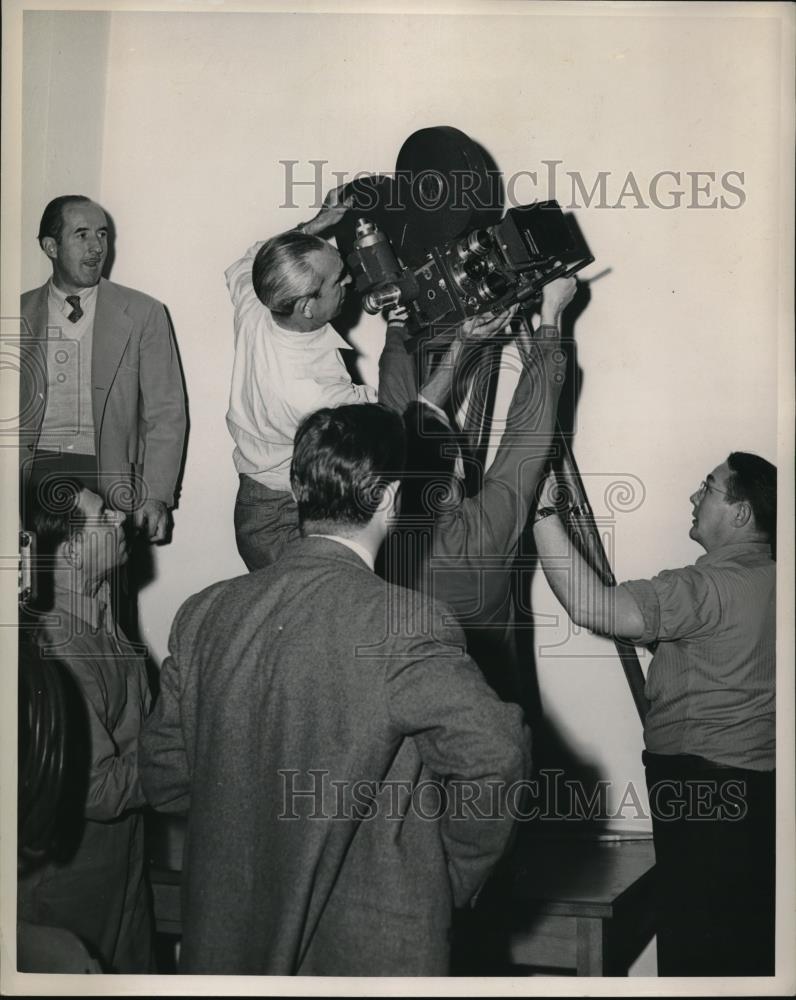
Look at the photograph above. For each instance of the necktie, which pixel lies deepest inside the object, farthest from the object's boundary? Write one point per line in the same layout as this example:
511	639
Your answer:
77	312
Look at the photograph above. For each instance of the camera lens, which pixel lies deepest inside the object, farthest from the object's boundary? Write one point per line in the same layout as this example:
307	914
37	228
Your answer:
476	244
467	272
474	268
375	301
491	287
364	228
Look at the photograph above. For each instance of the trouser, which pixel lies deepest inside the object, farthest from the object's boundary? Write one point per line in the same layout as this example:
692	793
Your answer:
42	469
100	894
265	521
714	831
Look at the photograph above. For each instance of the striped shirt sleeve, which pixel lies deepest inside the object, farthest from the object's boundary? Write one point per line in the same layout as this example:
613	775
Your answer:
676	604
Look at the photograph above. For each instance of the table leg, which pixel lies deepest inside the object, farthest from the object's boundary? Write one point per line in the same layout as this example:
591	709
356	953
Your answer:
591	946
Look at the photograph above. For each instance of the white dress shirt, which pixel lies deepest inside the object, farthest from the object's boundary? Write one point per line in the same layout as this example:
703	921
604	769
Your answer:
278	377
349	543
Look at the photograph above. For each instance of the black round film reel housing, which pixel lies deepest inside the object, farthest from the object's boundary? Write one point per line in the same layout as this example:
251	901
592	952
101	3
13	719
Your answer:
451	186
445	185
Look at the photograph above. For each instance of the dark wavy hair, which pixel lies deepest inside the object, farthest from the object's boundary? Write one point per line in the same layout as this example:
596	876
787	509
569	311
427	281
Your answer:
54	511
52	219
754	480
53	514
343	458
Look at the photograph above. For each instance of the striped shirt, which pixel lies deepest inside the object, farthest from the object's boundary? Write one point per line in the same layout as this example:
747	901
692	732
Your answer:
711	681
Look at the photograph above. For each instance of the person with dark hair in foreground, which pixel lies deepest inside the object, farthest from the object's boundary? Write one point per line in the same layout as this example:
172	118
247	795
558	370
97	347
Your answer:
344	766
98	891
710	730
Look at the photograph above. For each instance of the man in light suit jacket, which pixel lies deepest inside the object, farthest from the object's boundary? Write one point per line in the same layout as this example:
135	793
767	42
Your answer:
347	773
101	392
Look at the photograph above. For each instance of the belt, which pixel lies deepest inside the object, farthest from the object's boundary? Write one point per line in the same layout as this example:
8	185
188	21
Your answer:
687	760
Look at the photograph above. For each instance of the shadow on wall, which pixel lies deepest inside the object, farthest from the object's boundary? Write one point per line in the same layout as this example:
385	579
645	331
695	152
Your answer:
141	568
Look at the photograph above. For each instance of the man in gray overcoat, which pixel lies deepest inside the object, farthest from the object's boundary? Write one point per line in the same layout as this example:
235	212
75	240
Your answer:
347	773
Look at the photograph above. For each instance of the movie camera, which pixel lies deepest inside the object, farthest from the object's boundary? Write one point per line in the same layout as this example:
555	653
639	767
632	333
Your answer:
454	260
490	268
447	252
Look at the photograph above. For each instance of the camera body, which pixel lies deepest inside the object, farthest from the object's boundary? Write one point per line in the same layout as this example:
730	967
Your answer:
490	268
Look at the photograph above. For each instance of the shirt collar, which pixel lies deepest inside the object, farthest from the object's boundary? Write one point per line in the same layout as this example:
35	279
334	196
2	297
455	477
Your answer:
58	298
735	549
93	609
349	543
325	337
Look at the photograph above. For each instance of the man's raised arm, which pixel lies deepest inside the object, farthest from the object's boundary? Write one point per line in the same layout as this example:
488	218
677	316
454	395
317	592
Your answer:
586	599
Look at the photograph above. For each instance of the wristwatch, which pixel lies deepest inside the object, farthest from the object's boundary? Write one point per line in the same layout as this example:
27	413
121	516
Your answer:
544	512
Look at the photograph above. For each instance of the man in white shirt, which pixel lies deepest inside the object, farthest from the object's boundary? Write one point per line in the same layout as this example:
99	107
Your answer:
287	364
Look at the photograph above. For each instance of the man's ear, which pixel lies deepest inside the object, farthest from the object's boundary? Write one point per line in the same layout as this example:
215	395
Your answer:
743	514
389	497
71	550
50	246
303	307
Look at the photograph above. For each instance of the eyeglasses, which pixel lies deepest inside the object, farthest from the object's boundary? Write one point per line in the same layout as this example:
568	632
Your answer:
705	486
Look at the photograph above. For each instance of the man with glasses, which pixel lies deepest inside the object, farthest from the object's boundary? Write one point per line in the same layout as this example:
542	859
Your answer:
710	730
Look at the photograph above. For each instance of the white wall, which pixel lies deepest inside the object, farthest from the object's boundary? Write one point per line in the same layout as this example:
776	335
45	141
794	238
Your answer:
176	122
678	347
64	75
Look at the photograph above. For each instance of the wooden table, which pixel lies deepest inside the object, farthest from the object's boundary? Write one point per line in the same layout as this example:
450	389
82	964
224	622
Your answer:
571	903
165	836
581	904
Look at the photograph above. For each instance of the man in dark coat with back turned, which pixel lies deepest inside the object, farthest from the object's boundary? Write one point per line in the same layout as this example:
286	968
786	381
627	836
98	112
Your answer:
345	768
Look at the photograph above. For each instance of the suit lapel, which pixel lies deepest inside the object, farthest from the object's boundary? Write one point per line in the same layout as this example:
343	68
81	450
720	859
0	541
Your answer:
33	367
112	329
36	315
